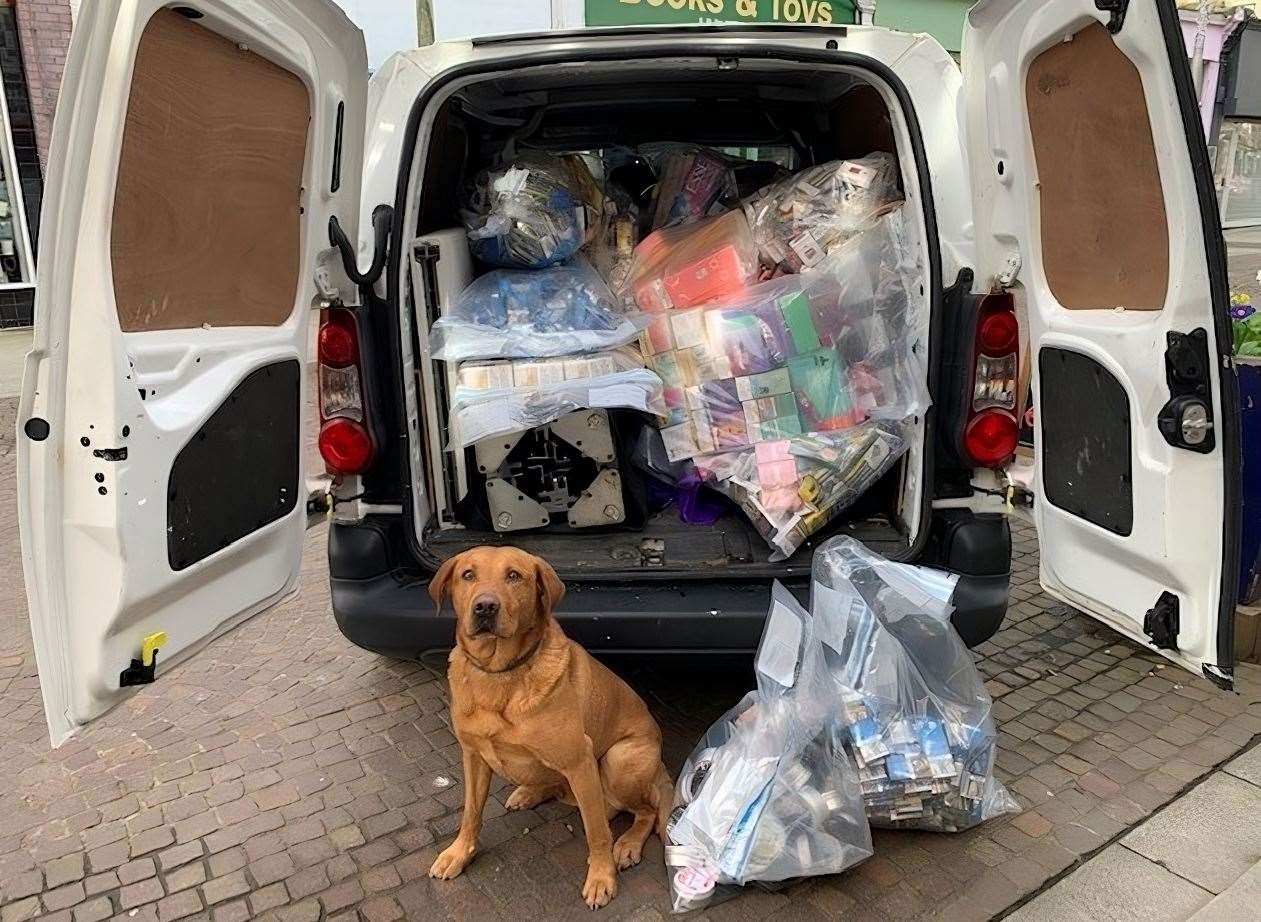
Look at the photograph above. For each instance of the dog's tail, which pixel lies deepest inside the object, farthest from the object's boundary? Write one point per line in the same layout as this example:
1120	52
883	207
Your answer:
664	792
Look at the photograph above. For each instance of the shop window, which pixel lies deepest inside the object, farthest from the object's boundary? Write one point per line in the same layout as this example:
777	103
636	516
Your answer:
1105	235
21	180
207	210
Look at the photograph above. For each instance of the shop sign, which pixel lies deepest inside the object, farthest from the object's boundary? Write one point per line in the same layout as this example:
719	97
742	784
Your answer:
681	12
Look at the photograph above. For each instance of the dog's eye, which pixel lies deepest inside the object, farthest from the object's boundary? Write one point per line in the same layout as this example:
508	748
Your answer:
513	575
466	575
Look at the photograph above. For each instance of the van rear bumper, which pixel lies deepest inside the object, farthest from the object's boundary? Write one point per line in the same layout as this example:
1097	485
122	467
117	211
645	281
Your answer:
384	607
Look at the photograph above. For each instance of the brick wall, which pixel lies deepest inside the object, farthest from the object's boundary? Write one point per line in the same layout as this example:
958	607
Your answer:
44	31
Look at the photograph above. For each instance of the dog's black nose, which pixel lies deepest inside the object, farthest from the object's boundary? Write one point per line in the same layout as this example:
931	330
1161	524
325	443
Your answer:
485	610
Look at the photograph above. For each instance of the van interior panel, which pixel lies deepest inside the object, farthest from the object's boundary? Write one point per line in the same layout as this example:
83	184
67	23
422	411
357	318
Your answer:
207	210
1100	250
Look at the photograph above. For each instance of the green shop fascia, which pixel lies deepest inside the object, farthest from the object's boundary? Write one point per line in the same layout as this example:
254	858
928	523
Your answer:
943	19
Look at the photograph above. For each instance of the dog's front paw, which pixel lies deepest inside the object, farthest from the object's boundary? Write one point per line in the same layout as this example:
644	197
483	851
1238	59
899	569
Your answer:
451	862
627	851
600	886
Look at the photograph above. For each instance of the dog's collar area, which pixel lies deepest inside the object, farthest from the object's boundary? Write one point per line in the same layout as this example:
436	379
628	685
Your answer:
515	663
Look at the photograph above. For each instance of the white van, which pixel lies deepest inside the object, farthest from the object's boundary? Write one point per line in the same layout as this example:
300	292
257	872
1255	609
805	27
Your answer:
207	154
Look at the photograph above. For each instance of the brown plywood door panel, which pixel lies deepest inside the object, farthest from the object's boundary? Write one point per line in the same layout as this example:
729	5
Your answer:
206	223
1105	235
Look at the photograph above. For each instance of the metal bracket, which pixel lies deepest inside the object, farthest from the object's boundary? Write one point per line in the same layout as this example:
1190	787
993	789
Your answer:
587	431
1116	10
1008	275
512	510
601	503
1161	622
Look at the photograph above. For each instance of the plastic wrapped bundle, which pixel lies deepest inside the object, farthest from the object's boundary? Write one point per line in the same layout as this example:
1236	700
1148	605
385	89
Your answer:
528	214
916	710
612	248
769	794
815	353
792	488
694	183
799	220
683	267
495	398
532	314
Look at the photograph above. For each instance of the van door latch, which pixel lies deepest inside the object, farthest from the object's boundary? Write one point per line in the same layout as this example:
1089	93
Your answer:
143	671
1186	421
1161	622
1116	13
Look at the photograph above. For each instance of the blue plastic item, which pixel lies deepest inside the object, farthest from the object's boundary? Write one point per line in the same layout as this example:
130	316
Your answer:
1250	543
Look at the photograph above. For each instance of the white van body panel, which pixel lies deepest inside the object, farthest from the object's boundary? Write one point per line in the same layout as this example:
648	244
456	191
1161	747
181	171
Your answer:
95	551
1179	503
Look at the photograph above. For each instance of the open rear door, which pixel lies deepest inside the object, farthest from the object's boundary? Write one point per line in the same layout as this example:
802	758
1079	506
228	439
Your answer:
1094	205
199	153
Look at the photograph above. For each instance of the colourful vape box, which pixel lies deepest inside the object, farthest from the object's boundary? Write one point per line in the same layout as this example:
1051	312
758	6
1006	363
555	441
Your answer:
796	311
716	275
768	384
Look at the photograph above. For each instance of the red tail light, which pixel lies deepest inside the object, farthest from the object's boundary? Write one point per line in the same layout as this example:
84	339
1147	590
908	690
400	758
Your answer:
346	446
991	431
991	437
345	440
338	344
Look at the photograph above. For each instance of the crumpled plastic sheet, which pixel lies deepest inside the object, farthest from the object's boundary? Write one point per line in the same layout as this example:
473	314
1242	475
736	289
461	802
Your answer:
820	352
800	219
497	398
528	214
917	715
768	794
534	313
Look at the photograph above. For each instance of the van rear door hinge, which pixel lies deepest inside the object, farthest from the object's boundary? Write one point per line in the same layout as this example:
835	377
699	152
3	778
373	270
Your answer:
1116	10
1161	622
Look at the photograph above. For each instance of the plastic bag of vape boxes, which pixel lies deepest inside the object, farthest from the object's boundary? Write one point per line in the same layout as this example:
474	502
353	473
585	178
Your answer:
791	489
533	313
814	353
769	794
495	398
531	213
682	267
799	220
916	713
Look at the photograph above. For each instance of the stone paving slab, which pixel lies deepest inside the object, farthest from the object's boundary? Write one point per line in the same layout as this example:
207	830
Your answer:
1116	885
284	774
1241	900
1210	836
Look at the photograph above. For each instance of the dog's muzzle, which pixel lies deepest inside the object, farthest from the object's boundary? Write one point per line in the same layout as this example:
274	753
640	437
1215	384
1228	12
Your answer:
485	614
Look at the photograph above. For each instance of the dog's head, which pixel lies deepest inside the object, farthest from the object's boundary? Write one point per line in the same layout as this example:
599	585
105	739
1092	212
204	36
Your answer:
497	591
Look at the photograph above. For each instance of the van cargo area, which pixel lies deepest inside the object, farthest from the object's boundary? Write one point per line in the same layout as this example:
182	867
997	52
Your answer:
774	117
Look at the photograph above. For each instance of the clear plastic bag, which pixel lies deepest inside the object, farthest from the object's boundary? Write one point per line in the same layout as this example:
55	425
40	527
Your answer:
495	398
682	267
799	220
693	183
768	794
528	214
533	313
792	488
612	248
918	717
815	353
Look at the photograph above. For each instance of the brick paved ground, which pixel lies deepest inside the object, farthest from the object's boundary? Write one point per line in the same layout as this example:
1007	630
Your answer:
282	773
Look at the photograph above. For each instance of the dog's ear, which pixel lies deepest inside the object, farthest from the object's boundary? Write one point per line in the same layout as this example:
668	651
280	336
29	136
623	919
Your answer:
441	581
551	589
